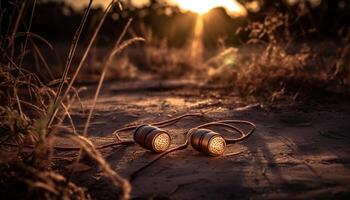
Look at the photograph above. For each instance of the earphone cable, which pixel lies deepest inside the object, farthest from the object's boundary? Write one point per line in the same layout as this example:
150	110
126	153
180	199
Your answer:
115	134
223	123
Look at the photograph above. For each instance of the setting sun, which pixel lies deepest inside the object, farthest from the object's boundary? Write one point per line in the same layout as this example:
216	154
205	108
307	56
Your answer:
203	6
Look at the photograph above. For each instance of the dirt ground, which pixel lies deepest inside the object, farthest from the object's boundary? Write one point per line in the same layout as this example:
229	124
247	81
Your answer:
297	152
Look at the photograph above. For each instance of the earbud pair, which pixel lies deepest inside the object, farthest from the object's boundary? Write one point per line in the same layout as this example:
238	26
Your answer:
158	140
201	138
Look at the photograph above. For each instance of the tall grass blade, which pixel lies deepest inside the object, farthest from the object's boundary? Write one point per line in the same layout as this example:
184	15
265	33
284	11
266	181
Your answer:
27	35
15	26
72	51
56	105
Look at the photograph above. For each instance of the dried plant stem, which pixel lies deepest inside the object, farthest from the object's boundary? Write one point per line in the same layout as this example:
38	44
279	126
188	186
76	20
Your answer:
41	57
105	68
116	179
28	31
15	27
17	100
98	28
72	51
66	113
9	59
42	111
86	144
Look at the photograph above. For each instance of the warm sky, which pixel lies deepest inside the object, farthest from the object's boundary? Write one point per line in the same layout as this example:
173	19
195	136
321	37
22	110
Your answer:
199	6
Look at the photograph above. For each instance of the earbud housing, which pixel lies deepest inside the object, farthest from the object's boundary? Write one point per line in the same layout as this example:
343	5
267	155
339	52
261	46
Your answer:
152	138
207	141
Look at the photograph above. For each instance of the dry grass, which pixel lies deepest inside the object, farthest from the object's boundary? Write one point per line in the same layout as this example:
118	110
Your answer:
31	112
282	68
273	73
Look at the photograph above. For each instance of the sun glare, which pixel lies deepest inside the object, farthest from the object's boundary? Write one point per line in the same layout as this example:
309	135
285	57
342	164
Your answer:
203	6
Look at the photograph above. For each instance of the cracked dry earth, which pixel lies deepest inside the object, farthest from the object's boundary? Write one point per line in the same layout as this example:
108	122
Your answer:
297	152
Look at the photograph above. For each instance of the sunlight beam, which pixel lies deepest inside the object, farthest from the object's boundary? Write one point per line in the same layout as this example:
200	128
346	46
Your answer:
197	40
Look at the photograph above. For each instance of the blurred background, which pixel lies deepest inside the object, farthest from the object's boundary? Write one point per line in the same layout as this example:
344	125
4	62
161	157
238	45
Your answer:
303	44
174	20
